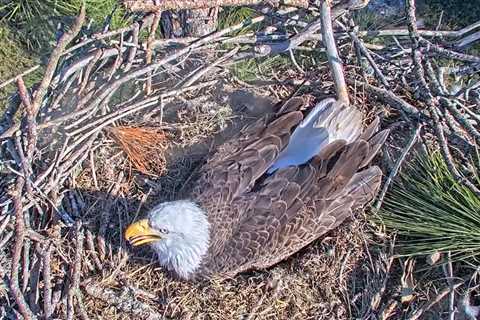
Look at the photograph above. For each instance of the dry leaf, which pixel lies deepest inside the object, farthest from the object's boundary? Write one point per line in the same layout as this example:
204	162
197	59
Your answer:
408	283
434	258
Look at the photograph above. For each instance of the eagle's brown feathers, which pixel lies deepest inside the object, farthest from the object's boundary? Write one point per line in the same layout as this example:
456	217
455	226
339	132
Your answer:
257	219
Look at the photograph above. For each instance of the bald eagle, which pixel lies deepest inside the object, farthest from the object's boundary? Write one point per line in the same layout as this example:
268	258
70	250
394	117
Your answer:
278	185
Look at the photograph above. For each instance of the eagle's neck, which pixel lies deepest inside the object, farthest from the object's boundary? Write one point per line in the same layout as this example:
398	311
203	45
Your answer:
188	240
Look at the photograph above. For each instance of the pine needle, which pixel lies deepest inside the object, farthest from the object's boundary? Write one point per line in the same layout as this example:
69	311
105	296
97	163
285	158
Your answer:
145	147
432	212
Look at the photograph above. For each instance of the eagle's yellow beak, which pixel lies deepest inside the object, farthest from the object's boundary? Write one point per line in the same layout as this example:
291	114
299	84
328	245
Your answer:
140	233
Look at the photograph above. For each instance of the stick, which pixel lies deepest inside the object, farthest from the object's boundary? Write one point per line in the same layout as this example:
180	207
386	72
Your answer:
332	53
448	271
133	51
121	302
367	55
105	218
64	40
76	269
34	280
157	6
397	165
151	39
210	67
47	282
91	248
430	101
17	250
437	299
21	75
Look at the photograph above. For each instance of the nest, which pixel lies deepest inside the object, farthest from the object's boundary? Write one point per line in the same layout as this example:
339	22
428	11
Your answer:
67	193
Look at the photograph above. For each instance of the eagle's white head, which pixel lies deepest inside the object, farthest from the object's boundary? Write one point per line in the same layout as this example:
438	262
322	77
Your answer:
178	231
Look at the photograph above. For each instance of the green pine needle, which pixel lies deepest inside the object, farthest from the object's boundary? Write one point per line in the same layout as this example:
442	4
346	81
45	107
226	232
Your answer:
35	21
432	212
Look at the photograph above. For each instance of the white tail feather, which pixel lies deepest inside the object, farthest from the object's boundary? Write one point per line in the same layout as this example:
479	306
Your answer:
327	122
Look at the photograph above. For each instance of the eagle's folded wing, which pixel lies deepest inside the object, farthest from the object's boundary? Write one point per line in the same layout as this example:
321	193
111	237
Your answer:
296	205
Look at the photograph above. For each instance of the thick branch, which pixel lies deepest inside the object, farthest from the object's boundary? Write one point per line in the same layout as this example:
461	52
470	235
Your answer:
17	250
332	54
154	6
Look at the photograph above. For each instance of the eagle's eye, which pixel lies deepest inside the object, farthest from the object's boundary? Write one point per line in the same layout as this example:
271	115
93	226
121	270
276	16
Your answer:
164	231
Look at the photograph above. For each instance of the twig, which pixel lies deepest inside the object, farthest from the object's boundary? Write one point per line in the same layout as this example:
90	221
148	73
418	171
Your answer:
450	105
133	51
105	217
76	269
64	40
92	168
423	33
211	66
26	276
121	113
34	280
437	299
277	285
17	250
390	98
448	271
104	35
156	6
433	48
332	53
398	164
468	40
430	101
21	75
80	307
6	238
377	298
88	70
47	282
148	58
91	248
367	55
125	304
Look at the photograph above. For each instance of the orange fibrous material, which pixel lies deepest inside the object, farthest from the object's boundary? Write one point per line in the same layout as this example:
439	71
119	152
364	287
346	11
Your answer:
144	146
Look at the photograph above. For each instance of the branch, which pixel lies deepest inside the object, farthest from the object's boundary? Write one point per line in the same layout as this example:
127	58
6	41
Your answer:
64	40
148	58
17	250
364	51
332	54
76	269
47	281
437	299
398	164
156	6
